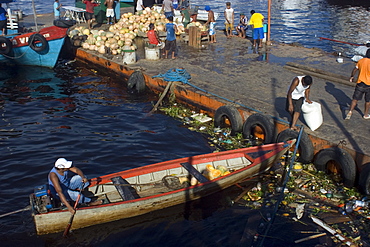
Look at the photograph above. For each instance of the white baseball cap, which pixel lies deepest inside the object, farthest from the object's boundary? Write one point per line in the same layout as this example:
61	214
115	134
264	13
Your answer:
63	163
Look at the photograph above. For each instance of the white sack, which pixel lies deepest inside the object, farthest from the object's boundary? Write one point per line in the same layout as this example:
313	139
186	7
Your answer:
312	114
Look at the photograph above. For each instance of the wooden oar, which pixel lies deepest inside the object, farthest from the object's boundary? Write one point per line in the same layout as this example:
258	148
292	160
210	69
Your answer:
344	42
16	211
66	231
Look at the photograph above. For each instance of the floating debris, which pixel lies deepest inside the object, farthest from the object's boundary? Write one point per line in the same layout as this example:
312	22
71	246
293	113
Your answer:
308	192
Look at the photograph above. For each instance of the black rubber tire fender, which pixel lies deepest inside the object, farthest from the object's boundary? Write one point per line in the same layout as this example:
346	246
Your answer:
364	180
5	46
340	157
136	82
37	42
264	122
64	23
232	114
305	147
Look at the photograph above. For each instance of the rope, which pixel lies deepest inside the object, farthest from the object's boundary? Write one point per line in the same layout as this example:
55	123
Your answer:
174	74
28	47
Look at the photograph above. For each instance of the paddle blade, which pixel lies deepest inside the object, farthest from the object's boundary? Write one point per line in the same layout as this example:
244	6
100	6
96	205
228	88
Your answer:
66	231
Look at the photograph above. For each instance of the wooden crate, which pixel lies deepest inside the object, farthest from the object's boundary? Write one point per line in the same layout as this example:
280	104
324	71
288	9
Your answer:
195	37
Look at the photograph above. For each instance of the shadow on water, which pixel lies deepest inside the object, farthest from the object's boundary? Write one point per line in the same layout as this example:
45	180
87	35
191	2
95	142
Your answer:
190	224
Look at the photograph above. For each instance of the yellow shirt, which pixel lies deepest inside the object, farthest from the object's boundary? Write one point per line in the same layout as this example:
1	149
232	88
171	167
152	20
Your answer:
364	66
256	20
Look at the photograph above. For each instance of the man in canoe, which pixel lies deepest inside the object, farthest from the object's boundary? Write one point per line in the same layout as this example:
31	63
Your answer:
66	187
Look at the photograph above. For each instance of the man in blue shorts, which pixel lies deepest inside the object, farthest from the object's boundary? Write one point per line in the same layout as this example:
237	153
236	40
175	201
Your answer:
256	22
212	24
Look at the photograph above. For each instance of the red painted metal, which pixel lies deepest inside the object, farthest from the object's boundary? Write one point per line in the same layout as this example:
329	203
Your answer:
50	33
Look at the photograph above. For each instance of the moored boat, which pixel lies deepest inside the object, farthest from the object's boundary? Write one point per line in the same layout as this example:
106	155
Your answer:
40	48
149	188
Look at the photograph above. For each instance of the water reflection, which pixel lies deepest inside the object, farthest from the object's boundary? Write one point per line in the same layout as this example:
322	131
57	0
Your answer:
304	21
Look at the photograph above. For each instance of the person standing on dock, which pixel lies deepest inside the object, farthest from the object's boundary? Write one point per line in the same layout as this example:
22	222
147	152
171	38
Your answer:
212	25
139	5
362	85
298	91
3	21
57	7
185	16
110	11
170	44
256	22
229	20
90	5
167	8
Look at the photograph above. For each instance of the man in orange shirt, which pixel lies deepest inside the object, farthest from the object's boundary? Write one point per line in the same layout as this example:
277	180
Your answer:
362	85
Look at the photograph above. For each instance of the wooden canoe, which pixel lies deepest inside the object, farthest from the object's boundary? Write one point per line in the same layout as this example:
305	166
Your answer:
145	189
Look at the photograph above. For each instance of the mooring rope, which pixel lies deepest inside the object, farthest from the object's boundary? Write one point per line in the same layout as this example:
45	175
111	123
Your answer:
21	55
174	74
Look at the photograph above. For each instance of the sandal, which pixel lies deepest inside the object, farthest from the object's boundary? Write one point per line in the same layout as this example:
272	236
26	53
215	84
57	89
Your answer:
367	116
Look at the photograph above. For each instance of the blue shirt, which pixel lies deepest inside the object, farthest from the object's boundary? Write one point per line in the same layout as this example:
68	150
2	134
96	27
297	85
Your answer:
2	14
170	27
56	11
63	180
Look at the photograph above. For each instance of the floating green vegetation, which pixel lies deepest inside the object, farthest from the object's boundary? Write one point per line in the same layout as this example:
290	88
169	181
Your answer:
220	138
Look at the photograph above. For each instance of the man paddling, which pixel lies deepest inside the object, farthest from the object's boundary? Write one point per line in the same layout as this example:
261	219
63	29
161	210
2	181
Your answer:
64	186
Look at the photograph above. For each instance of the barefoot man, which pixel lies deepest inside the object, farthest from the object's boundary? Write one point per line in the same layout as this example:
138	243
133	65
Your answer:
212	24
299	90
110	10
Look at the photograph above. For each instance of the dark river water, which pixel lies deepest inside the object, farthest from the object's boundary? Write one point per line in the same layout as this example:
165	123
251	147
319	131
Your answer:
90	118
74	113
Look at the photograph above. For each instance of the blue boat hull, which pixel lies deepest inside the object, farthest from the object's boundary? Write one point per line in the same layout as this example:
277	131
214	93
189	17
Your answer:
35	49
24	55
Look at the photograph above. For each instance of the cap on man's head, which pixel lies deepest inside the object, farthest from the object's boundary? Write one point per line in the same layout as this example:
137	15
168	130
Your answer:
242	14
207	8
63	163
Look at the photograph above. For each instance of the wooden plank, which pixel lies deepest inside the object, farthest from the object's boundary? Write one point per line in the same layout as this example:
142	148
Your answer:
126	192
194	172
